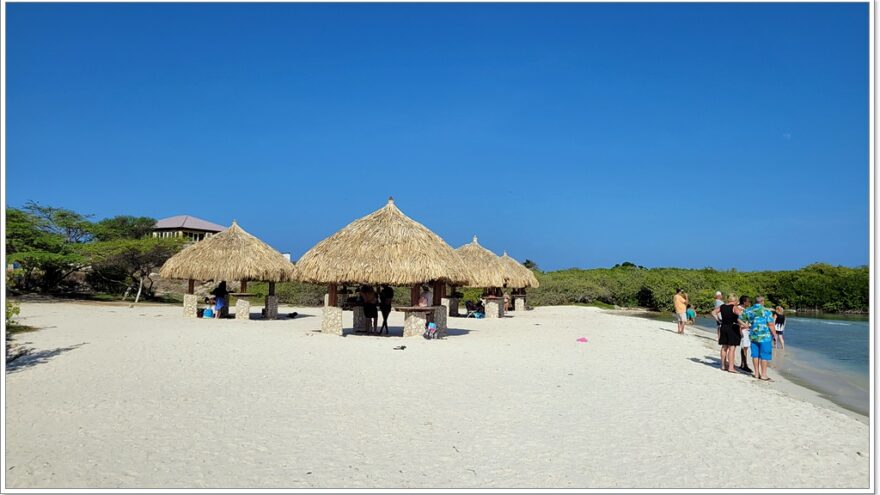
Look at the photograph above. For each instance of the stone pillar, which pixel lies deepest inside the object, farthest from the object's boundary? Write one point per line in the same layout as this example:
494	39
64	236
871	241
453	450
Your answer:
271	307
494	307
414	325
360	321
326	299
451	304
242	309
190	306
519	303
440	319
332	320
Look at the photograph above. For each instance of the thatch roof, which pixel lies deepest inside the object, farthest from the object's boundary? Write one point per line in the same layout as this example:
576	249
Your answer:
230	255
384	247
484	266
517	275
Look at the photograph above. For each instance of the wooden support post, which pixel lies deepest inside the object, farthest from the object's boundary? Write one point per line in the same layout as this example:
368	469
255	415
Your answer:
331	292
191	287
243	286
414	294
271	288
438	293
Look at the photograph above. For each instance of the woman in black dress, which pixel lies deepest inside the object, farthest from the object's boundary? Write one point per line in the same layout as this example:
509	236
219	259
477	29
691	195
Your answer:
370	311
730	334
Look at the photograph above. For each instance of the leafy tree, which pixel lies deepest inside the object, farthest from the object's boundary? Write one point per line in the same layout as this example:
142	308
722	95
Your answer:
531	265
123	227
130	262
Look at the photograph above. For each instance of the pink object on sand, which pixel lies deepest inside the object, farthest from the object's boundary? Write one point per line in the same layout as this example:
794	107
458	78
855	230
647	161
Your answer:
582	339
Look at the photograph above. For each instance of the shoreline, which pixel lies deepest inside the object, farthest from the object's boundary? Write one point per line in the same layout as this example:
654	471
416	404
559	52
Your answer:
790	383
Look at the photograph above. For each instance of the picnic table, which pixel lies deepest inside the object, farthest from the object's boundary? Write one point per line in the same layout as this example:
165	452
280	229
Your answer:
415	318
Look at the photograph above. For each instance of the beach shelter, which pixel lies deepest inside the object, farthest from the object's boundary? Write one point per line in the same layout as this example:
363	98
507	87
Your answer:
518	278
486	271
384	247
230	255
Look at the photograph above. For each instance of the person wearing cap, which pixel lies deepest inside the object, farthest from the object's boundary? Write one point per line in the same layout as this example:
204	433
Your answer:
680	302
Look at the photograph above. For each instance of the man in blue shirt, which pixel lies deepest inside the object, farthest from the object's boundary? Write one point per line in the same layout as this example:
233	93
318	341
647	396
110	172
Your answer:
761	333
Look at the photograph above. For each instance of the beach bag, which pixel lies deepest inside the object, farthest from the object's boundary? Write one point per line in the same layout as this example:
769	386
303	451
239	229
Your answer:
208	313
431	331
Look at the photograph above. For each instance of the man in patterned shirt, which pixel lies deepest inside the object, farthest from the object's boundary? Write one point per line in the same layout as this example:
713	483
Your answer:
762	331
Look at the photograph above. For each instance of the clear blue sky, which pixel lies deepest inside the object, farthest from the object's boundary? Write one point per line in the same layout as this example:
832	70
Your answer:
575	135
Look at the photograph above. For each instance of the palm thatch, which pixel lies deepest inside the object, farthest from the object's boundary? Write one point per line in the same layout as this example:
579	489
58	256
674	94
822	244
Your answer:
517	275
384	247
230	255
484	266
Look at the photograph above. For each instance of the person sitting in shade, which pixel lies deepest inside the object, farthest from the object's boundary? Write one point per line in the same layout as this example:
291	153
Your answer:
426	299
221	300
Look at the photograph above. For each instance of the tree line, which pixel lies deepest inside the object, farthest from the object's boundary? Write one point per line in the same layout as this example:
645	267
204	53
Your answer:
48	245
820	287
59	250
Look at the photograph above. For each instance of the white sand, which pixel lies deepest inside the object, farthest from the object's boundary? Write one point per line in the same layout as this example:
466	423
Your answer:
144	398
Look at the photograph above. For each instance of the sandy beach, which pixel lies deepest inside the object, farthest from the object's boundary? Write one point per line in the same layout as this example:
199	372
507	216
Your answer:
119	397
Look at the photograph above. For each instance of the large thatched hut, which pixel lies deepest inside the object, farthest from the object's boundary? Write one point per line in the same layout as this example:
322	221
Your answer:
518	278
231	255
486	271
384	247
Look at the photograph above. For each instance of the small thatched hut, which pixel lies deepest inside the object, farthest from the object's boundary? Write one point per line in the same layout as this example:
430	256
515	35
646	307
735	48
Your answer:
487	272
518	278
516	275
233	254
384	247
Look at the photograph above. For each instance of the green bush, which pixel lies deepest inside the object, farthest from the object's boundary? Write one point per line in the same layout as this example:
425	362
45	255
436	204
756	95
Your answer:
12	310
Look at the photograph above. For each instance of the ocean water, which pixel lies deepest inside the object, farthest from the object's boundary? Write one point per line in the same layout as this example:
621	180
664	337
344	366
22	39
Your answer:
829	354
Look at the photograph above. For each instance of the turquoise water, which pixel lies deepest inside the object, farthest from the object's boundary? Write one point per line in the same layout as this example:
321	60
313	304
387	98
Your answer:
828	354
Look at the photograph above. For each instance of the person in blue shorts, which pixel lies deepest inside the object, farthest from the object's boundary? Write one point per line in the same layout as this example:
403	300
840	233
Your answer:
762	331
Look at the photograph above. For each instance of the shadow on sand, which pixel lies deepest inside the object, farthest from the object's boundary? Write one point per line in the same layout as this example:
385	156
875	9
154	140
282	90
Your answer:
398	332
34	358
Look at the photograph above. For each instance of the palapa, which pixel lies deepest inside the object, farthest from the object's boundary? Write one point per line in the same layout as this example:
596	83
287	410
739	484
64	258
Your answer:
384	247
233	254
484	266
517	275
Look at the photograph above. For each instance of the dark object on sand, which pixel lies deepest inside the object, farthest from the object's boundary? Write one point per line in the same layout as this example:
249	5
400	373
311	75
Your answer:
293	315
400	348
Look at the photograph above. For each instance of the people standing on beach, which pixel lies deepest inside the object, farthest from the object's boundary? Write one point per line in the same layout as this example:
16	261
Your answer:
780	327
386	298
691	314
762	329
719	301
745	344
368	294
729	334
426	298
679	303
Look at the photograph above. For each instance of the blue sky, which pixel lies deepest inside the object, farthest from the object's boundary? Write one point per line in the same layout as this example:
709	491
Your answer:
576	135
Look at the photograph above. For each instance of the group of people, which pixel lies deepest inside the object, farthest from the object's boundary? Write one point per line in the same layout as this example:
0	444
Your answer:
753	328
373	302
217	303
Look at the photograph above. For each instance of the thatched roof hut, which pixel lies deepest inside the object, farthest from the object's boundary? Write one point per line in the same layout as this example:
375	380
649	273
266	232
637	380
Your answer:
517	275
233	254
484	266
384	247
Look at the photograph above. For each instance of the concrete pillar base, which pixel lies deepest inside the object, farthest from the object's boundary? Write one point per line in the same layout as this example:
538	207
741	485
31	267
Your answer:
360	321
494	307
332	320
519	303
242	309
190	306
414	325
440	319
271	307
452	304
